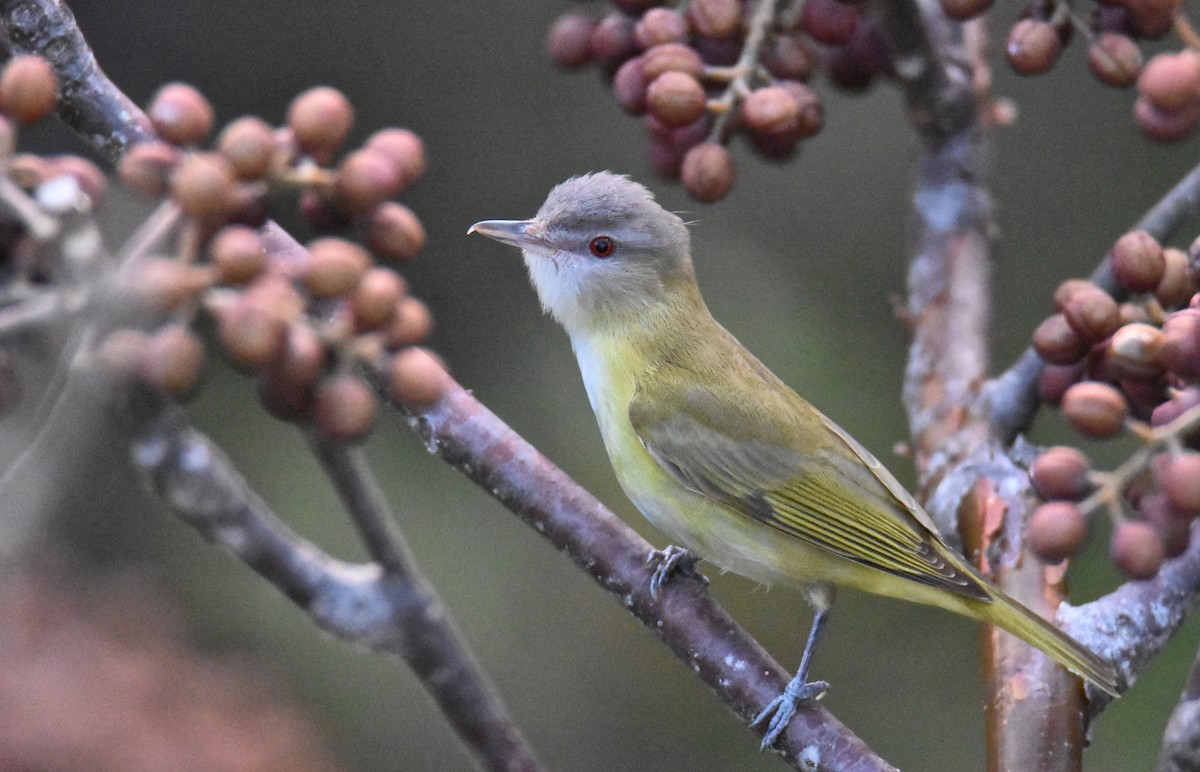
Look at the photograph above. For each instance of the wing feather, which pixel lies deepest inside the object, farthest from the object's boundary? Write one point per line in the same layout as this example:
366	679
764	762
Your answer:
830	492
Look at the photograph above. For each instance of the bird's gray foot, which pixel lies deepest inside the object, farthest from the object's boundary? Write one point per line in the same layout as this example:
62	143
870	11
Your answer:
671	560
782	708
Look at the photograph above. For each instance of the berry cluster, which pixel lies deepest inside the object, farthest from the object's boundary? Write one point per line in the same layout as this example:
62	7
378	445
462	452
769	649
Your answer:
307	320
1115	367
722	67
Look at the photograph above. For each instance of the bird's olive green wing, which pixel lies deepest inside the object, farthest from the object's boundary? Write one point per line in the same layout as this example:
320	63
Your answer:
804	477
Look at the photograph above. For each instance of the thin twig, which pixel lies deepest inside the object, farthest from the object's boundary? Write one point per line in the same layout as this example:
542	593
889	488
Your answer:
394	611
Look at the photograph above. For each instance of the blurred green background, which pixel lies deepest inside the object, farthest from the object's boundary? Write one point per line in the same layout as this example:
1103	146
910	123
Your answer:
803	262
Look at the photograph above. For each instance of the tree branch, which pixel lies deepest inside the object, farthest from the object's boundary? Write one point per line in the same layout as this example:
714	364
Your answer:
389	608
970	485
464	433
89	103
1181	740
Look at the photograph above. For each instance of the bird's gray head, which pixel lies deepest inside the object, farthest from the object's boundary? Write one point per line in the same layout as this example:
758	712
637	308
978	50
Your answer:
600	249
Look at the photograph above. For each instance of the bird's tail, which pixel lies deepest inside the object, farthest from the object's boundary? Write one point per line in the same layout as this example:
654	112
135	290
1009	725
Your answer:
1007	613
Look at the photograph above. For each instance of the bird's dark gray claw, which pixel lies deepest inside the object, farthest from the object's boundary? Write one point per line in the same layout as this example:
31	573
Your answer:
671	560
783	708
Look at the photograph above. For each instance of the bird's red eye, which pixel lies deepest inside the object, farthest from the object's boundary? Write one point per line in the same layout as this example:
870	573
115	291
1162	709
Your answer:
602	246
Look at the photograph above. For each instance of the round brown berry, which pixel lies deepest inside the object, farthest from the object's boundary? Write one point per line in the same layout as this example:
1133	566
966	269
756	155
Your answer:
1179	349
660	25
1171	81
1093	314
237	254
28	89
167	284
334	267
394	232
612	39
146	168
1176	287
773	109
1056	531
707	172
629	85
1033	46
715	18
411	323
676	99
404	147
1057	342
1133	351
374	300
786	56
203	185
172	360
829	21
345	409
671	57
181	115
1162	125
1095	409
1137	549
416	377
249	144
569	40
1137	261
1180	480
1061	473
1056	379
251	332
962	10
365	179
320	120
1115	59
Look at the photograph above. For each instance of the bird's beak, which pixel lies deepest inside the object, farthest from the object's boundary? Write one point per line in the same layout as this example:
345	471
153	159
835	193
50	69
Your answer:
526	234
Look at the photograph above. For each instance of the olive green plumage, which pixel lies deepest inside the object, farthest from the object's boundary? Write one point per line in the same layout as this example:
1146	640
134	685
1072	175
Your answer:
712	447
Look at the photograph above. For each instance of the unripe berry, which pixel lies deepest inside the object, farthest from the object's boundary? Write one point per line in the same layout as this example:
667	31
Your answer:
672	57
1095	409
1067	289
304	357
786	56
772	109
146	168
1171	82
320	120
1176	287
1161	125
237	254
252	332
28	89
1057	343
1055	380
962	10
612	39
394	232
249	145
334	267
1033	46
1180	481
1137	550
569	40
1061	473
1093	314
410	324
1056	531
1179	349
707	172
715	18
1137	261
1133	351
374	300
660	25
629	85
404	147
366	178
829	21
675	99
172	360
1115	59
203	185
416	377
345	409
181	115
1151	18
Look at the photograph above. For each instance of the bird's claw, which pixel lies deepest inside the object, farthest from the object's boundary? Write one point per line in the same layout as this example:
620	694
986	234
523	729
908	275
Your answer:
668	561
783	708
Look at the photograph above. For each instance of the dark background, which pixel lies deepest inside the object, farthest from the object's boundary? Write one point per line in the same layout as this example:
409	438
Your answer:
803	262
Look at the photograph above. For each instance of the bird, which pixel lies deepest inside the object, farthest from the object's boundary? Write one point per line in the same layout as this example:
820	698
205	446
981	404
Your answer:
720	454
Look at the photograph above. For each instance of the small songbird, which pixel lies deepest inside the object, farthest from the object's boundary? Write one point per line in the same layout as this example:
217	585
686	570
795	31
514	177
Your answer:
720	454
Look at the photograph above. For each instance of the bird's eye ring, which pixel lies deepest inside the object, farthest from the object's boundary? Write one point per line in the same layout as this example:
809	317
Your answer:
602	246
